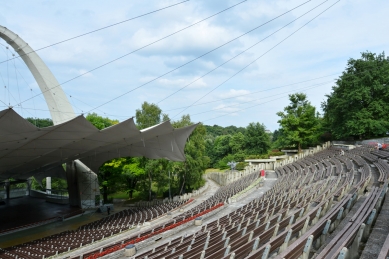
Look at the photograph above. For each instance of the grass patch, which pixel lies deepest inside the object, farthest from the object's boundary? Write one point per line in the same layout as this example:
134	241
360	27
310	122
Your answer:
124	195
210	170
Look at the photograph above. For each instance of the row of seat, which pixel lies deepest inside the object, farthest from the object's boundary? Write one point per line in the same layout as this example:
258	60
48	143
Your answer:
259	220
309	195
221	196
88	233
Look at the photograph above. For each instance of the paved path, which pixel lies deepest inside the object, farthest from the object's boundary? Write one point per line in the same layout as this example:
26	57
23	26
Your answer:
57	227
268	184
212	188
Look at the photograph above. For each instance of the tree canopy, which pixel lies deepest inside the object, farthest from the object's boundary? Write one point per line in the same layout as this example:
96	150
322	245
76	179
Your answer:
40	123
257	140
299	123
100	122
150	177
236	144
358	104
149	115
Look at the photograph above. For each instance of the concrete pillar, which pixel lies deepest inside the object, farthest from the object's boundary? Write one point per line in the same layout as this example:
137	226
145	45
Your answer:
307	248
198	221
227	251
71	176
130	250
227	242
48	185
286	241
304	229
325	233
7	187
29	184
256	243
343	253
83	185
353	252
266	253
369	224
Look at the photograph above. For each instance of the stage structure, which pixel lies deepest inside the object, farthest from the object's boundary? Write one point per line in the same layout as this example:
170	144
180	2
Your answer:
29	151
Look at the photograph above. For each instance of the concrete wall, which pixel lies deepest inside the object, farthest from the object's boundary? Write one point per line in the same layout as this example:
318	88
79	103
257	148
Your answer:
366	142
224	178
361	142
58	199
14	193
304	153
38	194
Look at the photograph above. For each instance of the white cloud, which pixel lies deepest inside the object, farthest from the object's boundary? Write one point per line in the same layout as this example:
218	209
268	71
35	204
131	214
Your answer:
232	108
181	83
320	48
240	94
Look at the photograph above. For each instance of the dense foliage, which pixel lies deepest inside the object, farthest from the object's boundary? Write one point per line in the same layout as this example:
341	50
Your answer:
235	144
358	106
150	177
299	123
100	122
40	123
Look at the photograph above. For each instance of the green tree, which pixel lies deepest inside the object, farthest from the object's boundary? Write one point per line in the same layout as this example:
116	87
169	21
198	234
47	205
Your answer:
99	121
132	173
223	163
257	141
237	143
189	173
40	123
221	147
358	104
277	133
149	115
110	176
298	122
109	173
217	130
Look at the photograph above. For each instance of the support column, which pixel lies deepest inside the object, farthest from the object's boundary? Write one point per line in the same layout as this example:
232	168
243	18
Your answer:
83	185
353	252
29	184
48	185
7	186
71	176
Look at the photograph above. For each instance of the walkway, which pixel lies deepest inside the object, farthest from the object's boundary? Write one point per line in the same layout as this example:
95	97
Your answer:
268	184
212	188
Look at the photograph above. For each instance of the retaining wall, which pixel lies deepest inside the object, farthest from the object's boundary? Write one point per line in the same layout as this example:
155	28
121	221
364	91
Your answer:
224	178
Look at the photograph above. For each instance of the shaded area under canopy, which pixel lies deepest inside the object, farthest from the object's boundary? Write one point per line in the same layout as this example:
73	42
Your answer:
26	150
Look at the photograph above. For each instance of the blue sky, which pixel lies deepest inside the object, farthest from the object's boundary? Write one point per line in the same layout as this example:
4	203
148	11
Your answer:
308	61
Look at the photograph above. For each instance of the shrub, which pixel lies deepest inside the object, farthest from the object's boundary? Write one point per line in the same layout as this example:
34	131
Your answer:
241	165
276	153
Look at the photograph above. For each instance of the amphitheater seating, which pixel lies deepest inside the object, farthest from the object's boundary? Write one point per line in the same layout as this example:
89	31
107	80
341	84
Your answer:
309	200
88	233
262	226
346	236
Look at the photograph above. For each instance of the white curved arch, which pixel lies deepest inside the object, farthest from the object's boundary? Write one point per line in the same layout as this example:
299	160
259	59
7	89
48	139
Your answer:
60	108
61	111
